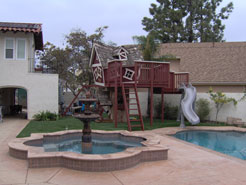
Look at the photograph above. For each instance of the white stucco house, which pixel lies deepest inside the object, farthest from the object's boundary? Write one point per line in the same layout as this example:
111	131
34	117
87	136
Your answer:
18	43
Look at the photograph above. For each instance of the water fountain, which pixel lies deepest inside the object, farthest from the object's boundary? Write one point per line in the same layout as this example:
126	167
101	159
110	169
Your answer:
97	151
87	116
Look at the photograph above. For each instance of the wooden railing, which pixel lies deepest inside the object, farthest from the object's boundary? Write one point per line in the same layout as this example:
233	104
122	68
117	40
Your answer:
146	74
152	72
176	79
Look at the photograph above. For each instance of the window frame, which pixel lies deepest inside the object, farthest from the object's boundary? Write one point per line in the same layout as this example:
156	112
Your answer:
5	48
15	48
16	45
129	74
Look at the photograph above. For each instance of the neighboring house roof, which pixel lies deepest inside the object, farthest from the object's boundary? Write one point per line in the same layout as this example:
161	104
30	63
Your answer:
210	62
34	28
106	53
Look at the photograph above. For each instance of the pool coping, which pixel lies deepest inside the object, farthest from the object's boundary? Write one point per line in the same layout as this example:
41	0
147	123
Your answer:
170	132
37	157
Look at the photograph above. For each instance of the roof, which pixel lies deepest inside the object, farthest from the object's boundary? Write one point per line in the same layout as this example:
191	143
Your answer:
210	62
34	28
106	53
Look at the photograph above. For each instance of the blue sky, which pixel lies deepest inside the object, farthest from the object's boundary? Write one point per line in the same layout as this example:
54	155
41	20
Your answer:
123	17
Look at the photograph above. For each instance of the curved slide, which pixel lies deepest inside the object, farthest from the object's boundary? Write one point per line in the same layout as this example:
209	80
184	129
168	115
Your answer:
187	104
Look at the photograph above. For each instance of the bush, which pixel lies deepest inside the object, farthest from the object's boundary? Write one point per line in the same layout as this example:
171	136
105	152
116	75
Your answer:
170	112
46	116
202	108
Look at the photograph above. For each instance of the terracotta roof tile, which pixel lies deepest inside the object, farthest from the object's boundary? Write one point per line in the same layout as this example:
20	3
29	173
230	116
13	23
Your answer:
25	27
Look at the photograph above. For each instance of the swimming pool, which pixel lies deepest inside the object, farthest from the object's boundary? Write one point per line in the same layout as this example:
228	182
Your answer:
228	142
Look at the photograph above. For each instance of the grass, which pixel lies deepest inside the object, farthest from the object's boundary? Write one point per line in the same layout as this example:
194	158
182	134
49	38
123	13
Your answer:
71	123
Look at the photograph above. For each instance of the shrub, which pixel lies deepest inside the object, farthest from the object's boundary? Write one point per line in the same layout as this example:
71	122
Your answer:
202	108
170	112
46	116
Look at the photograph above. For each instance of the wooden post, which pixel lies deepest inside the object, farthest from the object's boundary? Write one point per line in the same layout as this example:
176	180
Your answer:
162	107
115	104
151	94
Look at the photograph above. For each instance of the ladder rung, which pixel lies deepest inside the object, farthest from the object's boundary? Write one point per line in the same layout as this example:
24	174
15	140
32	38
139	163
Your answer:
132	103
135	120
133	114
133	109
136	125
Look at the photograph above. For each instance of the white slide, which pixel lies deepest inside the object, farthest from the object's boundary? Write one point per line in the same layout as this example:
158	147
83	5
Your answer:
187	104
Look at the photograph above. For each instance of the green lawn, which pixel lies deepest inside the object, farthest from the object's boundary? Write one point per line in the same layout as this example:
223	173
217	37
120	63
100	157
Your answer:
71	123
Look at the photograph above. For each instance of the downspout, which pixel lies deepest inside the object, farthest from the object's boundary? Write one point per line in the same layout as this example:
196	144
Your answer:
31	57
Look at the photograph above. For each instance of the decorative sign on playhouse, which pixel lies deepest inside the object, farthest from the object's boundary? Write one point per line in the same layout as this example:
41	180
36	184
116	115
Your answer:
97	70
128	74
98	74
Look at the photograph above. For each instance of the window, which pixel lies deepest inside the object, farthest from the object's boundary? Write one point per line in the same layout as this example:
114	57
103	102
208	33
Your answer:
9	49
123	55
21	49
15	49
128	74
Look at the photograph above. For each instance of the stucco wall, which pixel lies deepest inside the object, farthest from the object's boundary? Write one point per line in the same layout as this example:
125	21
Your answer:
228	110
172	99
42	89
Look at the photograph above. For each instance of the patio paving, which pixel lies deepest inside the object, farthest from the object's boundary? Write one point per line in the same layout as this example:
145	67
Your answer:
187	164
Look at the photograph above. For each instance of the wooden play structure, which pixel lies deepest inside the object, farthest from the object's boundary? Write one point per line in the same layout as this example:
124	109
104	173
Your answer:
122	70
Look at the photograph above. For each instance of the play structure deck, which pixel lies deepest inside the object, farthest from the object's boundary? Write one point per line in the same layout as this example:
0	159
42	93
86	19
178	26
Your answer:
143	74
146	74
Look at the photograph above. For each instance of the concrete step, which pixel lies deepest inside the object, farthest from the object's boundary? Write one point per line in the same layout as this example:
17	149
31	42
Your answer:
232	120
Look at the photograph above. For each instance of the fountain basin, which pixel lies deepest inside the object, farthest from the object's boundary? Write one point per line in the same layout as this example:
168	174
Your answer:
29	149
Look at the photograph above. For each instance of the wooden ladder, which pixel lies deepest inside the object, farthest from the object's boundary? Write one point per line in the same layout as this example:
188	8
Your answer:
133	120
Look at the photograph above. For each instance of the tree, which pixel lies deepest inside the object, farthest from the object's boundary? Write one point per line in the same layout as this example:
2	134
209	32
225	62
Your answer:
148	45
166	24
72	62
80	45
187	20
220	100
58	60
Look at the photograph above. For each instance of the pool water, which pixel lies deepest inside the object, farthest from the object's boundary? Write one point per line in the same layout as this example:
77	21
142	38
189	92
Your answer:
98	146
228	142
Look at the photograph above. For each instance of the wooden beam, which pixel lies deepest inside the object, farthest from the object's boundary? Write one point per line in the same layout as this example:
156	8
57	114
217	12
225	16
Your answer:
151	93
115	104
162	107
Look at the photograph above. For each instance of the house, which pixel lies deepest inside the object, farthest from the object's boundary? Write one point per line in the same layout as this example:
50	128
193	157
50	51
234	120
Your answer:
39	92
221	66
127	77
